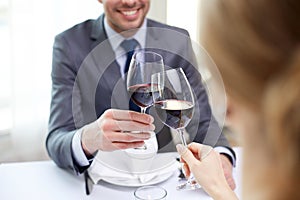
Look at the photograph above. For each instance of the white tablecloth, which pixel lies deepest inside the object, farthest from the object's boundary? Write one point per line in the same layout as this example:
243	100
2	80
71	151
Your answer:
44	180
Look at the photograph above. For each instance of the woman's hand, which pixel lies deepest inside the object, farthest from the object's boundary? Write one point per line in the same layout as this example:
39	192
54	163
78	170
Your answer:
205	164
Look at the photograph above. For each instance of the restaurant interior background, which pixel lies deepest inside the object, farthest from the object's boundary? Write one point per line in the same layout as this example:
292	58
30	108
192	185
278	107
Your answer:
27	30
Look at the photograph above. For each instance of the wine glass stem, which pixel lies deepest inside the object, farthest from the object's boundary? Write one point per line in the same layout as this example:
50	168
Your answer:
181	133
143	110
190	180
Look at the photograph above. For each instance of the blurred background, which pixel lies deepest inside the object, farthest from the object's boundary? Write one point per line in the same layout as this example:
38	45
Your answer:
27	31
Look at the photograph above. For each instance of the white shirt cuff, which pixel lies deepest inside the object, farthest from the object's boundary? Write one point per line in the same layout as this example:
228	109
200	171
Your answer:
225	151
78	152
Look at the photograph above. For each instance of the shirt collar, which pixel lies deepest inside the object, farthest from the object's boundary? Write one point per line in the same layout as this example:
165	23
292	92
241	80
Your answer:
115	39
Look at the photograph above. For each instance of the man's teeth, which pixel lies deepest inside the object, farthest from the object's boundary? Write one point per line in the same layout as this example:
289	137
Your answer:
132	12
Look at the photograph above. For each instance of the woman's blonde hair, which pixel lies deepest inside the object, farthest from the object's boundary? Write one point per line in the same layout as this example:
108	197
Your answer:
256	46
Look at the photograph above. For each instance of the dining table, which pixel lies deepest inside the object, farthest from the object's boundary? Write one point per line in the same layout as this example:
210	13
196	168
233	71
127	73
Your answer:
45	180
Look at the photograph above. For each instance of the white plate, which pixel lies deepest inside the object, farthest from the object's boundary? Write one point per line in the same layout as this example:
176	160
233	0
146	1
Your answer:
117	168
137	183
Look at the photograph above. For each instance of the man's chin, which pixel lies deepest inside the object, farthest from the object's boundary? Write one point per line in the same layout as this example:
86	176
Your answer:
132	26
129	32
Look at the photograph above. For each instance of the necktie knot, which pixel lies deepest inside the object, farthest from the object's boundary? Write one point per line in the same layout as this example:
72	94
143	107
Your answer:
129	45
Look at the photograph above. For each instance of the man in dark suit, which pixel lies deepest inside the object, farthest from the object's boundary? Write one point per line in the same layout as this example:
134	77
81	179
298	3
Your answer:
89	107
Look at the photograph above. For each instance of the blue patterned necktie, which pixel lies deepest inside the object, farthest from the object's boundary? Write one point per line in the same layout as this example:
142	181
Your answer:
129	46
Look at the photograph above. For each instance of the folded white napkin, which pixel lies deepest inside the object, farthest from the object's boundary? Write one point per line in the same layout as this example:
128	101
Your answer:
163	165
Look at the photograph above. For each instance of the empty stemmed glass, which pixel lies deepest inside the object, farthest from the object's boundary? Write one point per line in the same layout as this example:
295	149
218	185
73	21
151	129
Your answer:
174	104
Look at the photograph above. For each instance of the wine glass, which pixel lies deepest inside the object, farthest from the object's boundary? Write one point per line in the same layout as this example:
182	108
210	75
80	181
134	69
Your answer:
143	64
174	105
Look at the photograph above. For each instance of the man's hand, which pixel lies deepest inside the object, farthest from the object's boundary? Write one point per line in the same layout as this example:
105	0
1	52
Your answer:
114	130
227	168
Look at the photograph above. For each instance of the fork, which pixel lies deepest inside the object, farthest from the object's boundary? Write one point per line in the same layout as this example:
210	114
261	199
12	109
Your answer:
183	185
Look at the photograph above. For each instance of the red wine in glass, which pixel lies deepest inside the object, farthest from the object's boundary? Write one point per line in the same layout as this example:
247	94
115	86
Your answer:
142	95
175	113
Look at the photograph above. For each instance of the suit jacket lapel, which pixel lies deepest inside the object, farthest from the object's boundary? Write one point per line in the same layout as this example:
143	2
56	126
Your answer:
152	39
98	33
111	76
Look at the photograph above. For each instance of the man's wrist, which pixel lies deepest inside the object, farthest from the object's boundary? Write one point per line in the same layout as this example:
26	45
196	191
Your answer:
77	150
226	152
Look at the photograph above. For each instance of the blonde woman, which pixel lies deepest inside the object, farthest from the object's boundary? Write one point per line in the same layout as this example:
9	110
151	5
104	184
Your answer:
256	45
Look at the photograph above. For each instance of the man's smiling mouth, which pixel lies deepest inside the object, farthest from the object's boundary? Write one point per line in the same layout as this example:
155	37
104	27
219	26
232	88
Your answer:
130	12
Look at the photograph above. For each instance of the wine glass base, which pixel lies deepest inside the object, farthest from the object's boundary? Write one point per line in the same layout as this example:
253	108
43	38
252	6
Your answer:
141	148
188	185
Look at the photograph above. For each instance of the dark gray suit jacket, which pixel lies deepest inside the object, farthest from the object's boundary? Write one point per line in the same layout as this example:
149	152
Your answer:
86	81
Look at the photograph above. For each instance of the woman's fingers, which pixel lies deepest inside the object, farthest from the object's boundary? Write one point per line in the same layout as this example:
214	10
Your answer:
186	170
187	155
200	151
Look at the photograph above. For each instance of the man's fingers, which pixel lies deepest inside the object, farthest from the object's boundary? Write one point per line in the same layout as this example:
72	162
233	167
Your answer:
114	125
127	145
232	184
139	135
126	137
128	116
134	126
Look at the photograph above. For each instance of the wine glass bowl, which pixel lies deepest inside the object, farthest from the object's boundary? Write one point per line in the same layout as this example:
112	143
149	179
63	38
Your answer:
174	101
143	64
